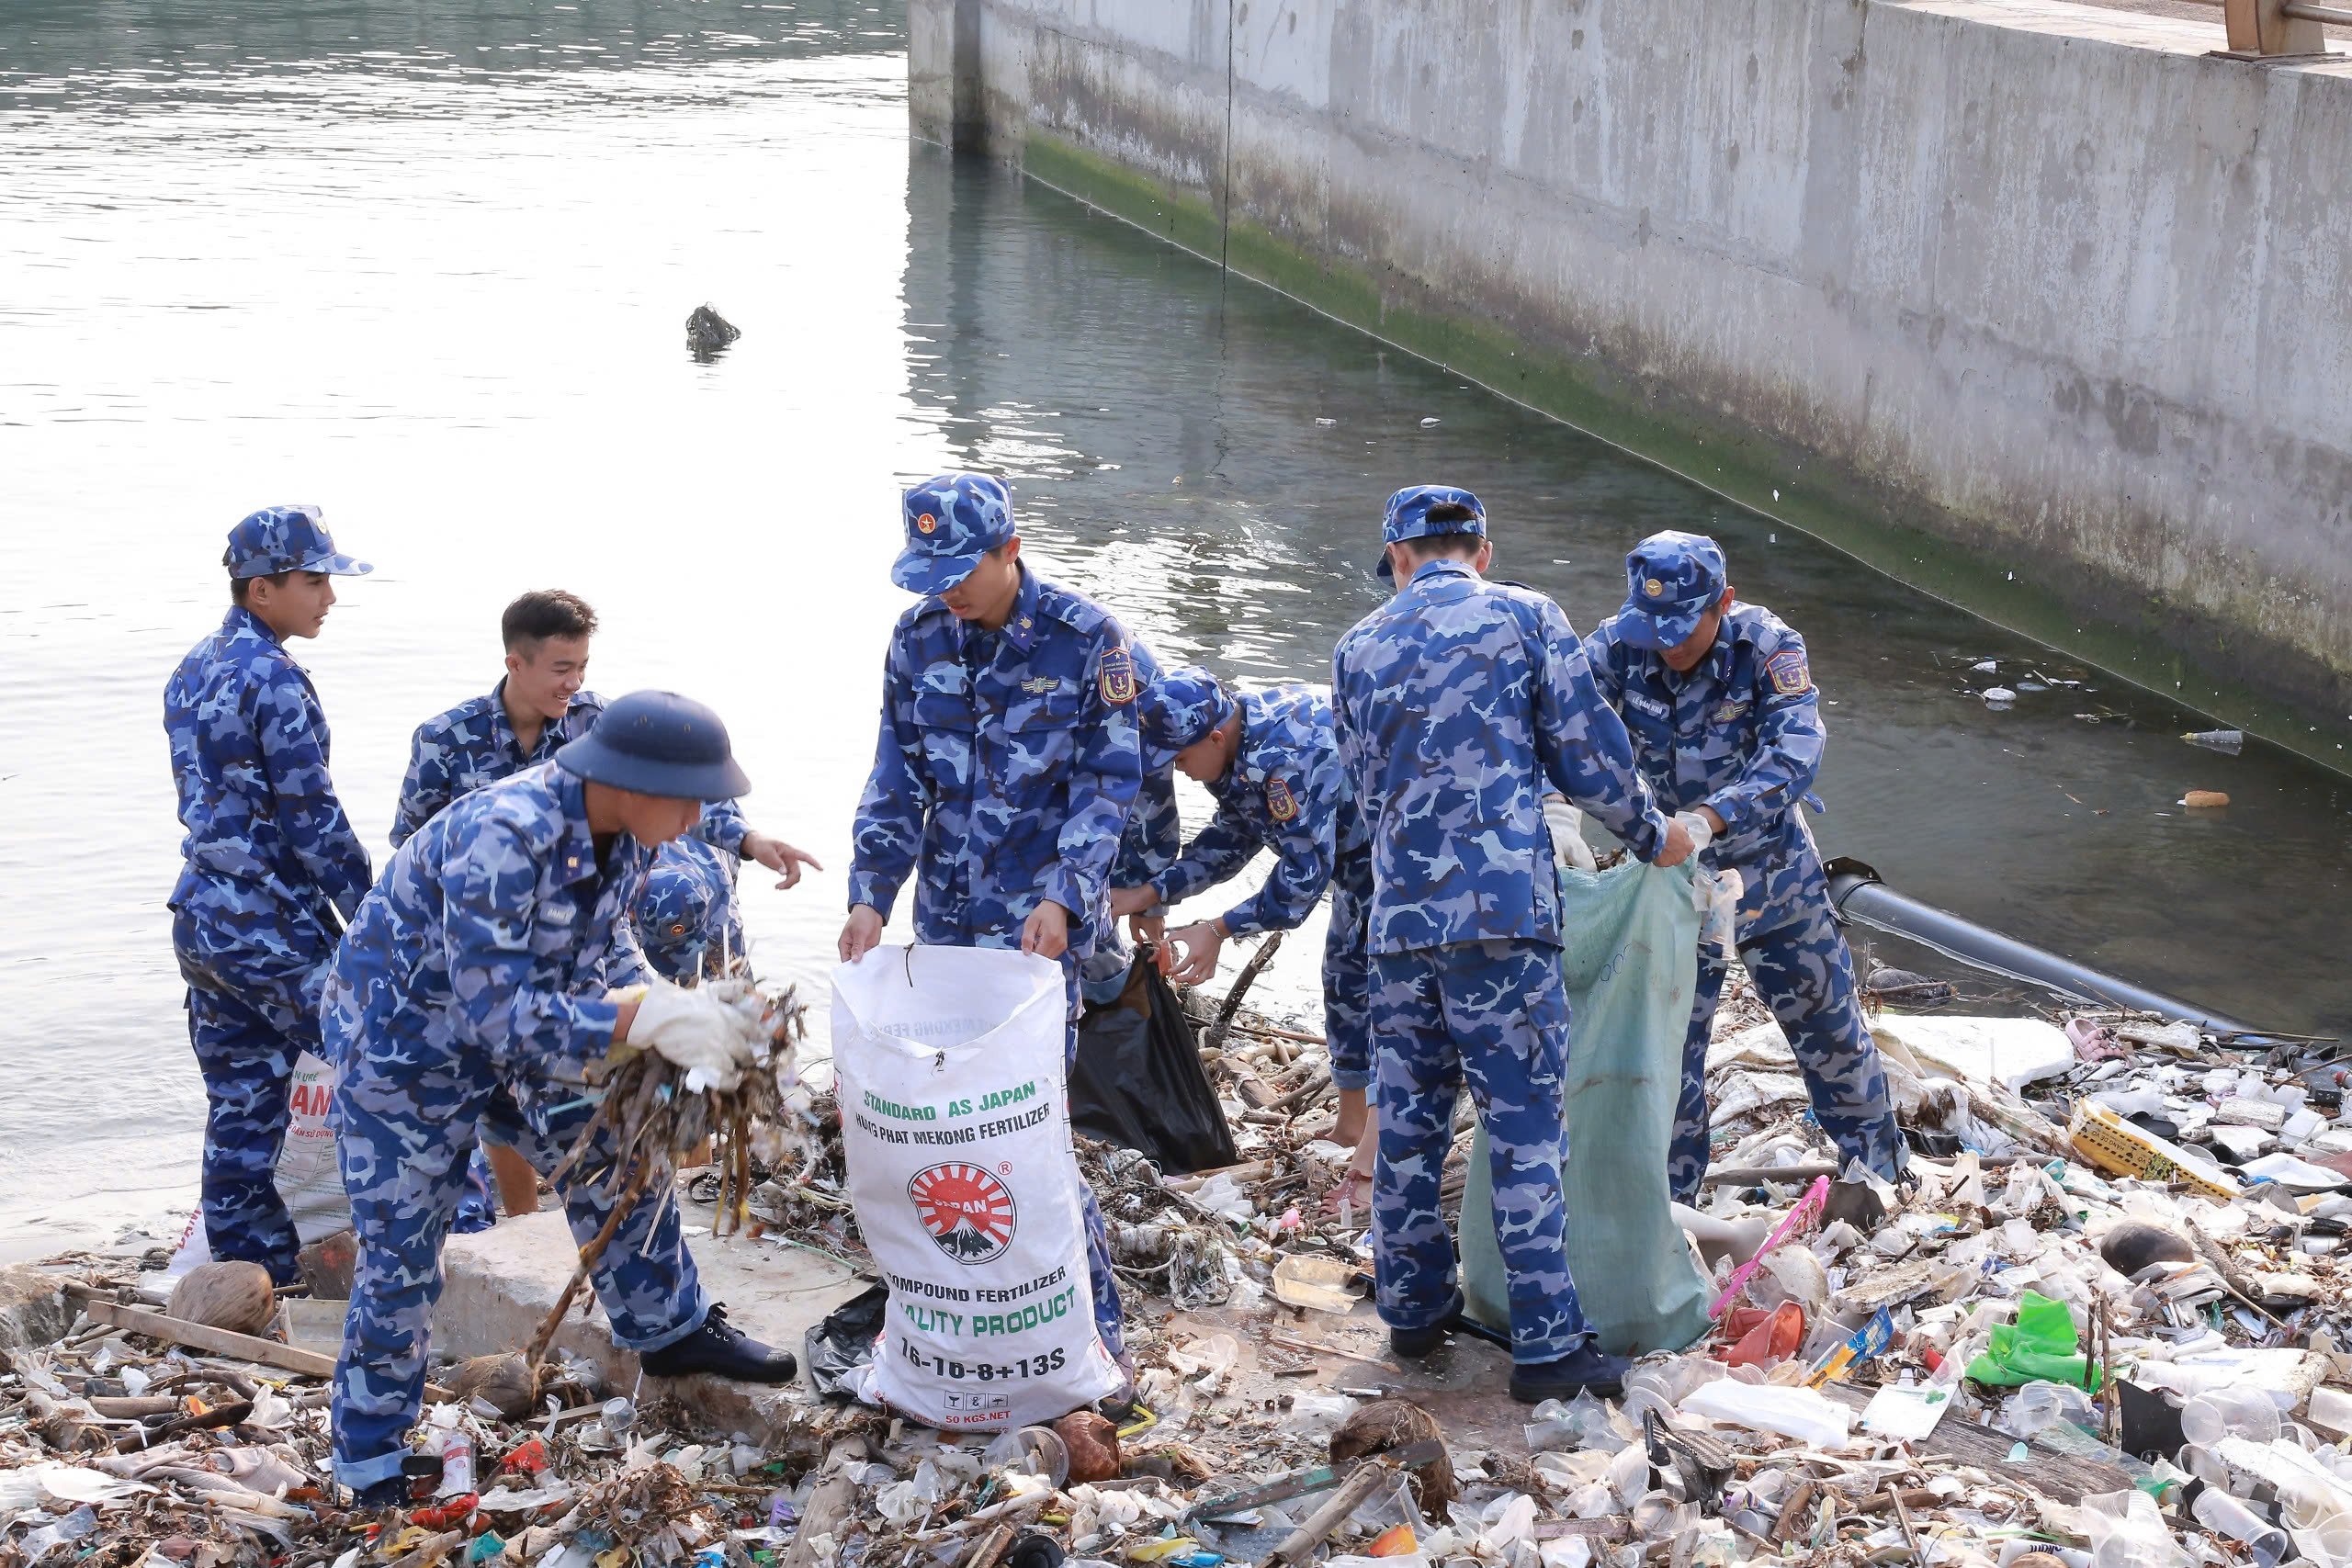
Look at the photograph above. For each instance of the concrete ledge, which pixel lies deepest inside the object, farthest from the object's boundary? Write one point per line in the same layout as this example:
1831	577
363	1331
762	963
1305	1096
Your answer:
499	1284
2034	306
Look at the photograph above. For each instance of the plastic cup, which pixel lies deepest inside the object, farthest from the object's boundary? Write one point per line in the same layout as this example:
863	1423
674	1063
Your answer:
2331	1408
2230	1413
2041	1404
2223	1514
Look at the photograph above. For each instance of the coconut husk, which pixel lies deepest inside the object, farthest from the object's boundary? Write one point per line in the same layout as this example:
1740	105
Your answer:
1387	1424
1093	1445
506	1383
234	1296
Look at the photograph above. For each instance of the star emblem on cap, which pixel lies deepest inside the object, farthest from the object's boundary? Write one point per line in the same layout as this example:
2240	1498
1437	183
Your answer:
927	523
1654	588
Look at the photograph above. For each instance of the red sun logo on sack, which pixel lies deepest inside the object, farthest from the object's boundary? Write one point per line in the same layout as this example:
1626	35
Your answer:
967	1211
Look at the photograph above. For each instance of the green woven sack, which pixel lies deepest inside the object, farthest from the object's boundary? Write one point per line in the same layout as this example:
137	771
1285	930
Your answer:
1630	964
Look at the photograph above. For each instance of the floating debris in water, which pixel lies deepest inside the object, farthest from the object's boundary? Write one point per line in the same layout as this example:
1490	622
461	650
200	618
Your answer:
707	332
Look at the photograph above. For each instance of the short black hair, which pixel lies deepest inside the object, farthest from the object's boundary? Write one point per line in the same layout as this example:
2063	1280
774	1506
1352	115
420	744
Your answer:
1438	547
240	586
544	613
1450	512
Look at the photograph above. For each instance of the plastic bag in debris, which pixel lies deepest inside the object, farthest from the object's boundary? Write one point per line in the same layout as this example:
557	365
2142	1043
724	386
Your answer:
308	1178
1630	964
836	1349
955	1134
1139	1083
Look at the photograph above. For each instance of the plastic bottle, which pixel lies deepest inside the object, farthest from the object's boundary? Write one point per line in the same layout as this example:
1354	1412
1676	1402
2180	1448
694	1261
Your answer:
2228	743
456	1462
2225	1515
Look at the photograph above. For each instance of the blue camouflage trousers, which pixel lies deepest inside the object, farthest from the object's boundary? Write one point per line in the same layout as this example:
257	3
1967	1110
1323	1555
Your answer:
1492	1015
1798	958
252	1009
406	1135
1347	974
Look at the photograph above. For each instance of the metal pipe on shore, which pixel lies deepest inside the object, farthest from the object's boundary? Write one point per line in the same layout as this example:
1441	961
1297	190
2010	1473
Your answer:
1861	896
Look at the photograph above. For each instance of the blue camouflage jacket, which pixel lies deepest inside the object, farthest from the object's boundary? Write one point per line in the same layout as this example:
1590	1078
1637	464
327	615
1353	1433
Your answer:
1741	732
687	919
473	744
268	844
1285	792
1004	772
1458	703
495	931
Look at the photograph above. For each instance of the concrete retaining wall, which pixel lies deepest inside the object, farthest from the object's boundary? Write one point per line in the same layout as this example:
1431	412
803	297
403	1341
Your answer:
2035	280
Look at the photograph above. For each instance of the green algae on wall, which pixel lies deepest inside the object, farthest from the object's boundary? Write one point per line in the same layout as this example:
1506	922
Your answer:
2051	603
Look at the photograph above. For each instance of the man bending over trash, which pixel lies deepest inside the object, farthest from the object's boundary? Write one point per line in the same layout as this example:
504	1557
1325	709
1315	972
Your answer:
1006	766
478	983
1456	702
539	705
1726	723
1272	763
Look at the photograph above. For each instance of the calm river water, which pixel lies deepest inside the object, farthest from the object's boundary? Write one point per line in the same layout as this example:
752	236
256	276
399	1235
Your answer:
428	263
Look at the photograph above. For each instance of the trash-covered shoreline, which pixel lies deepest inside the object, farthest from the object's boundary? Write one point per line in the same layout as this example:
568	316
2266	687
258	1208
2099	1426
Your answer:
2101	1323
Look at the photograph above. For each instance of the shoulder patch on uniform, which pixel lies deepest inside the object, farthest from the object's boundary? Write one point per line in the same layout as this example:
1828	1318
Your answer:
1072	610
1116	676
1280	805
1787	669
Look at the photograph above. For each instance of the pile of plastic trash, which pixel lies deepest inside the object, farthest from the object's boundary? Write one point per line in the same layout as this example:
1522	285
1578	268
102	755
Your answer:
2098	1326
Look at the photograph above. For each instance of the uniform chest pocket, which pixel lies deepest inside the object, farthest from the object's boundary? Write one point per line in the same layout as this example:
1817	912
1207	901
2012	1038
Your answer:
1056	709
945	710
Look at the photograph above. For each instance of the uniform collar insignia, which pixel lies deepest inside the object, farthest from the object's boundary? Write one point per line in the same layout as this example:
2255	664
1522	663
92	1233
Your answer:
1021	628
576	851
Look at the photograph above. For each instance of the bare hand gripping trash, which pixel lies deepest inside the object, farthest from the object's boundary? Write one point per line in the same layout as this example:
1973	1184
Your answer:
955	1132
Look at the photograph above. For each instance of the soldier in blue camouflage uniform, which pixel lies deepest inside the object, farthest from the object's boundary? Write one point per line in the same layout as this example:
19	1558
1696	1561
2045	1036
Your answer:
539	706
1726	723
686	920
1457	704
273	868
1272	763
477	983
1007	763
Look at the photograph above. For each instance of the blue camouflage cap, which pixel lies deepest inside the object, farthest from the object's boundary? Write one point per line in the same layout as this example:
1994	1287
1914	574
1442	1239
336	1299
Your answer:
1408	517
952	521
1180	708
286	538
1672	580
656	743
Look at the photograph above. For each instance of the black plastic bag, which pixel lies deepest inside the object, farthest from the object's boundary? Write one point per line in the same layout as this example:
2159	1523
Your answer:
1140	1082
836	1347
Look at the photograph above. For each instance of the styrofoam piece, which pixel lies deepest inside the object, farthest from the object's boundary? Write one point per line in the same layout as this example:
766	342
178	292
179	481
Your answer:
2289	1171
2011	1052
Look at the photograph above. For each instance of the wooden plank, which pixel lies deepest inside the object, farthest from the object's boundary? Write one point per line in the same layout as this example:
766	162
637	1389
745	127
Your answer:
221	1342
2062	1478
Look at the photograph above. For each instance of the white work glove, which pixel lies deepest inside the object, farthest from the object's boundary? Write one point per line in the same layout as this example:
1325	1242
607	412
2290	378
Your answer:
1566	823
697	1031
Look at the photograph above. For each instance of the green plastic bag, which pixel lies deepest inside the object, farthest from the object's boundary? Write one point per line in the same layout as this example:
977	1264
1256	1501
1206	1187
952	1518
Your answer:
1630	964
2040	1345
